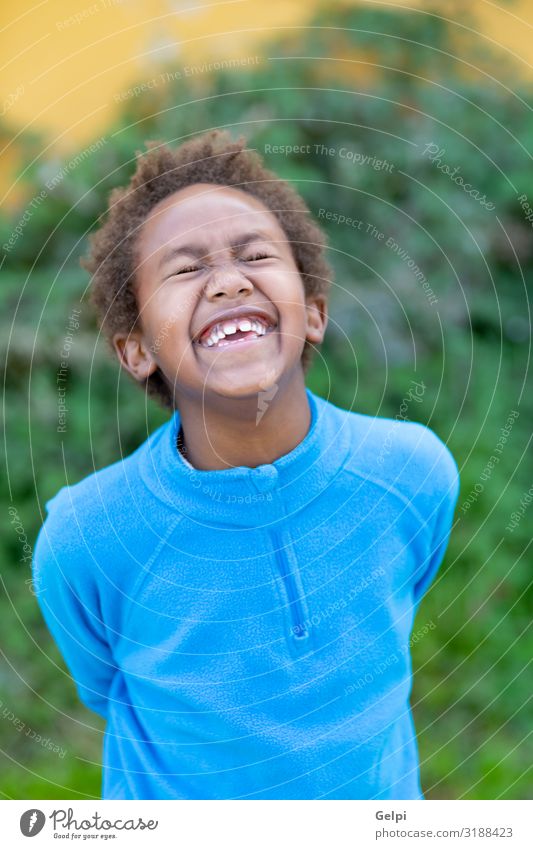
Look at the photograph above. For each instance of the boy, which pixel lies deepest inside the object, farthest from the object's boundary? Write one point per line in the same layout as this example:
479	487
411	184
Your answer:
236	597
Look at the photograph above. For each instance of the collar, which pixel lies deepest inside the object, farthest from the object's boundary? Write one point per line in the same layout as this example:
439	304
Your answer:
242	495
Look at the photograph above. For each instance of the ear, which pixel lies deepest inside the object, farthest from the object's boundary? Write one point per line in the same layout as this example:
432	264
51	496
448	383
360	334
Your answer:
134	355
317	318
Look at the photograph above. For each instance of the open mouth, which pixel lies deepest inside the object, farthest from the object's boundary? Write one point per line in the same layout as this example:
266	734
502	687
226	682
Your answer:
236	331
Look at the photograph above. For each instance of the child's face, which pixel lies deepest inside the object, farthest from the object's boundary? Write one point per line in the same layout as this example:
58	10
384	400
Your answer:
204	251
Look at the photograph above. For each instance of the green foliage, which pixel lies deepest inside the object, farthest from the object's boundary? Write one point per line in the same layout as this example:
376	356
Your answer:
470	348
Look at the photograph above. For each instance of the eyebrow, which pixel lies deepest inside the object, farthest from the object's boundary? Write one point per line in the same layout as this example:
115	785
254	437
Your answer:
200	250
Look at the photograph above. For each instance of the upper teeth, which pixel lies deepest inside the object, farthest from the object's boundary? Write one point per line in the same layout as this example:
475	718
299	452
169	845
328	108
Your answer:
227	328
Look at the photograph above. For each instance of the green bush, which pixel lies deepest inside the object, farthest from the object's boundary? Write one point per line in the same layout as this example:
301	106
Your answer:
469	347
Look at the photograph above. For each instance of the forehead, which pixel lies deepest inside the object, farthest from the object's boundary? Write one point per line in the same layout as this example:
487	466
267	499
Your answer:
206	211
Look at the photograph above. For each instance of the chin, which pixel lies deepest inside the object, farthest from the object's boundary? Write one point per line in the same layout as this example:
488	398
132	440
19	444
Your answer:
256	381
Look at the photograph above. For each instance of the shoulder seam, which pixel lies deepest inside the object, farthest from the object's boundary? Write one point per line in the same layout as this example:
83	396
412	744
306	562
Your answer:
391	489
145	570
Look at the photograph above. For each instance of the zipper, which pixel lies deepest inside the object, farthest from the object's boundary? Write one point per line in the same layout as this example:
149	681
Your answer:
298	612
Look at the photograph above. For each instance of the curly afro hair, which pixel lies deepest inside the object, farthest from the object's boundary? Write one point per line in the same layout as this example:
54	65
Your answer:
213	157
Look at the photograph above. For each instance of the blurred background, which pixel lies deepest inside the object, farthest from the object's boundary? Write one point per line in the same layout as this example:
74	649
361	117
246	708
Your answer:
414	131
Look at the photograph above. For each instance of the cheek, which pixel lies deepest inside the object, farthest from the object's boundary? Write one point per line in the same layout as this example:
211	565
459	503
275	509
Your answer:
295	306
167	327
288	291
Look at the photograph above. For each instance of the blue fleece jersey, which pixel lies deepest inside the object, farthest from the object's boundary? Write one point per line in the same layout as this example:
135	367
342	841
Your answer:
245	632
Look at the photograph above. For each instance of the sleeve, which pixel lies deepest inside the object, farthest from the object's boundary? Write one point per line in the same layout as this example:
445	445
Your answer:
445	476
68	597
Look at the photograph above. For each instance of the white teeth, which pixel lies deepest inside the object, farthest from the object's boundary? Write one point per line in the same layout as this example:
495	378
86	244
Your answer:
228	328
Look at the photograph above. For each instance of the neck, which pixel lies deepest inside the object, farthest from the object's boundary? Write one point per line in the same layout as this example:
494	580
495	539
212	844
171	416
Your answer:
247	431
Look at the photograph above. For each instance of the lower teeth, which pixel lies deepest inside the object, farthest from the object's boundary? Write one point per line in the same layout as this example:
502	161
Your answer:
223	343
251	334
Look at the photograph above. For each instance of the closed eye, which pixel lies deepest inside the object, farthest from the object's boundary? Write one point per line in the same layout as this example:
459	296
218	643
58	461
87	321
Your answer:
190	269
256	256
187	269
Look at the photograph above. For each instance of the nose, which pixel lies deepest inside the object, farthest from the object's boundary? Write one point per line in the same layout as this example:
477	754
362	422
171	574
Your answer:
227	280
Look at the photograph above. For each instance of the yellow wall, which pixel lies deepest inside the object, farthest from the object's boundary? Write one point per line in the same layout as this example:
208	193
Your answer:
70	70
66	62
